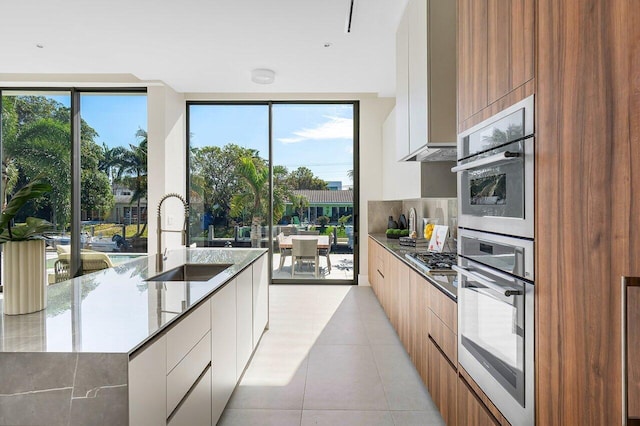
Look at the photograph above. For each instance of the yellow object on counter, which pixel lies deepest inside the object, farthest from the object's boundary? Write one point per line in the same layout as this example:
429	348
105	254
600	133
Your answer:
428	230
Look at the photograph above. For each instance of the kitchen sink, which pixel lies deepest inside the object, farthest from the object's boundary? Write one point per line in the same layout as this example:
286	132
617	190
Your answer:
191	272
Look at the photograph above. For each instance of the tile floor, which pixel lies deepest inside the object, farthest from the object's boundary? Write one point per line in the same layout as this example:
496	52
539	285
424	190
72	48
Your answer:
330	357
341	268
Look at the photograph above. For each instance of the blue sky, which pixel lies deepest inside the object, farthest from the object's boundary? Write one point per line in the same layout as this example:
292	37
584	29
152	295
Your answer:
116	117
317	136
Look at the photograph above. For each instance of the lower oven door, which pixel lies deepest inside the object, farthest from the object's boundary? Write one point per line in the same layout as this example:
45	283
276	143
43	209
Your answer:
495	337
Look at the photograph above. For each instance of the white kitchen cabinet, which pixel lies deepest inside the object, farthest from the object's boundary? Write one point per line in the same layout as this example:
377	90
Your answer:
402	88
195	409
148	385
260	298
244	319
184	376
223	347
425	76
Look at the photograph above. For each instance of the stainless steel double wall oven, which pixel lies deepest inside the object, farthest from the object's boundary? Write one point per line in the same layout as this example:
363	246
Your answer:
495	263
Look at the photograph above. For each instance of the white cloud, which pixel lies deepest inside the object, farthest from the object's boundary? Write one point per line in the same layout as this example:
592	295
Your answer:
335	128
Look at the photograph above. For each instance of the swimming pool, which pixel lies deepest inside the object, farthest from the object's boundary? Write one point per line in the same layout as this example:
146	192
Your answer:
116	258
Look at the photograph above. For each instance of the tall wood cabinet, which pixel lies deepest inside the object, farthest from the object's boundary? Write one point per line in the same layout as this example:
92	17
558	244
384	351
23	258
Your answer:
496	40
585	57
587	212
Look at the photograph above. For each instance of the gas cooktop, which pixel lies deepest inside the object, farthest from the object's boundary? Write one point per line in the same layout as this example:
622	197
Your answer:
434	262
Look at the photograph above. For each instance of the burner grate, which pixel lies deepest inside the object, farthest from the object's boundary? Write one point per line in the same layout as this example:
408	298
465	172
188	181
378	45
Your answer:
434	261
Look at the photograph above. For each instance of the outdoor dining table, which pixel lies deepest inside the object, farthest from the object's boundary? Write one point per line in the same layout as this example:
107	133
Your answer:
323	240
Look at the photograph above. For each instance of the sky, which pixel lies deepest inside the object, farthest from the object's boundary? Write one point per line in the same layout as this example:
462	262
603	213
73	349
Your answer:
316	136
116	117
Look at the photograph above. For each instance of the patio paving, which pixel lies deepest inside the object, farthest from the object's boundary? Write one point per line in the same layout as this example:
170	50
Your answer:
341	268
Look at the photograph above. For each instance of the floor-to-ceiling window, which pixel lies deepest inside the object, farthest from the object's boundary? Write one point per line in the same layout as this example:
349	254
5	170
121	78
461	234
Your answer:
39	141
229	174
279	175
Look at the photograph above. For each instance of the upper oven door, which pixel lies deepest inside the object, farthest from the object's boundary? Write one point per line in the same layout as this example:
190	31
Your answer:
495	173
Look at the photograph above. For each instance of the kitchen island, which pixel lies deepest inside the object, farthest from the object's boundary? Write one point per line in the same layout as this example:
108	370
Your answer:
114	348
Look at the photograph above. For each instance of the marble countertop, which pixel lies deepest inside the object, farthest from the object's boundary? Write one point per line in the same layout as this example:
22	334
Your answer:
115	310
444	282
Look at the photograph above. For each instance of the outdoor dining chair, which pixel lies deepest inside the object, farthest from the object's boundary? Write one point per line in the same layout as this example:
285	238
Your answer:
284	252
304	250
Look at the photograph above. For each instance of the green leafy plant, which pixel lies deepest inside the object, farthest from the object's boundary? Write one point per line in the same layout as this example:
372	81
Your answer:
33	228
323	220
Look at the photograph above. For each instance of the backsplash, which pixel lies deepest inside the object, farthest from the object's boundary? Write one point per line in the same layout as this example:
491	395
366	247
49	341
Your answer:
444	209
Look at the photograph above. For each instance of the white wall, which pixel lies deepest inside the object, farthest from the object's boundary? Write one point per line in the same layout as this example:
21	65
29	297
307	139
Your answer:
373	111
401	180
166	161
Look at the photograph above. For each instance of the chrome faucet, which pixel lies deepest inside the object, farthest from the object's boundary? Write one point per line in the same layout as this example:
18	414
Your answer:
160	257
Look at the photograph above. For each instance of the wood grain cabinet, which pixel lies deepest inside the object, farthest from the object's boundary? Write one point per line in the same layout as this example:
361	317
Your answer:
471	411
442	384
495	53
425	76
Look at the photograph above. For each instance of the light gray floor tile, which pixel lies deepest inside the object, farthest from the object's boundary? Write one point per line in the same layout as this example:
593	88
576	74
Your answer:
331	351
346	418
379	330
343	377
417	418
247	417
403	386
344	328
271	385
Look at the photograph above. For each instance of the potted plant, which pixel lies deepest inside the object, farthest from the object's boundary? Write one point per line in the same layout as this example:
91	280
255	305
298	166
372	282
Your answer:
24	272
323	221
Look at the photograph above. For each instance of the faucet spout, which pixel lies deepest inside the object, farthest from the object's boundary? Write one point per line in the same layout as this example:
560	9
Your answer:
159	256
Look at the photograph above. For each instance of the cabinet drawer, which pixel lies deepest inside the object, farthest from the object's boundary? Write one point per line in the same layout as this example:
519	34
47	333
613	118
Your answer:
196	408
187	333
444	308
444	337
185	374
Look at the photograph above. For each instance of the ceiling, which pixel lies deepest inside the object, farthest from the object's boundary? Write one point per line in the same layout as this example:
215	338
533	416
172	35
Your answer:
208	45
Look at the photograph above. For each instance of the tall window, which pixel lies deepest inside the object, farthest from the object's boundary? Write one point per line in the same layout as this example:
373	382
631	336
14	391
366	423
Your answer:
37	142
114	172
264	174
229	173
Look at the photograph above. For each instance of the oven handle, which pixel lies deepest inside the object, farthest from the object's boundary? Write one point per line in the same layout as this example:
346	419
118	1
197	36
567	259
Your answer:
506	155
507	291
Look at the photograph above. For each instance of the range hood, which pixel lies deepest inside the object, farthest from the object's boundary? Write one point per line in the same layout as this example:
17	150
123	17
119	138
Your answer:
435	152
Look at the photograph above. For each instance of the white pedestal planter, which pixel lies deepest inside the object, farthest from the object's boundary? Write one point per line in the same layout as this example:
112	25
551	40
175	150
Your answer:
24	277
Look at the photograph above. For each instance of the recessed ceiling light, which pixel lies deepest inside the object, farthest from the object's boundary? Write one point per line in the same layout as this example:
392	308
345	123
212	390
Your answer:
40	46
263	76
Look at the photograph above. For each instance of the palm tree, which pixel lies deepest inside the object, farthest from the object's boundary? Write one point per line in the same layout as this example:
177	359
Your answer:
300	202
41	148
131	166
257	179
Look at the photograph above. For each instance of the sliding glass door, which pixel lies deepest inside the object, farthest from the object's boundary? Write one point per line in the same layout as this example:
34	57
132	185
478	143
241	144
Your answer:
38	142
278	175
313	152
229	174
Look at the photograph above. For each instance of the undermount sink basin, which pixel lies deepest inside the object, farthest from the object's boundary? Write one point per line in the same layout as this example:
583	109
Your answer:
191	272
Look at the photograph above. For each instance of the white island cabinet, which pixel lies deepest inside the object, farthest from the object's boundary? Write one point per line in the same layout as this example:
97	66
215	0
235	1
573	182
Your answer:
158	353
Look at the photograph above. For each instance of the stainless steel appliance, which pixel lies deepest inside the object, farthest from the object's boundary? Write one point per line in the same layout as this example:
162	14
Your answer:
495	173
436	263
496	320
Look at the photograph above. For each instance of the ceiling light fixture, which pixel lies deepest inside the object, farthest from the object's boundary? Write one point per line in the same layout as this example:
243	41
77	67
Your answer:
263	76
